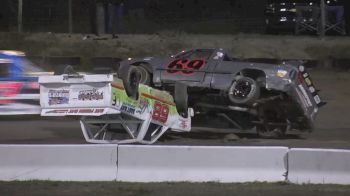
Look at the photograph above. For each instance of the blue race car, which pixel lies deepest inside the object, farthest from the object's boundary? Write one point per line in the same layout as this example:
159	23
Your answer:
18	82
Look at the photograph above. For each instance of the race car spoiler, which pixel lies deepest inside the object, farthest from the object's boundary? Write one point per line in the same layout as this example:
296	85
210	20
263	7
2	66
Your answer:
72	95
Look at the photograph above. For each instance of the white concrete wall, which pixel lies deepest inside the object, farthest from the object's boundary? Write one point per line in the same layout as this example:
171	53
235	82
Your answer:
201	164
58	162
319	166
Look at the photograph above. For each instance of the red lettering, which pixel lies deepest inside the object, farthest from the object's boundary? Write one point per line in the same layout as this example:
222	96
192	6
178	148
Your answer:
185	66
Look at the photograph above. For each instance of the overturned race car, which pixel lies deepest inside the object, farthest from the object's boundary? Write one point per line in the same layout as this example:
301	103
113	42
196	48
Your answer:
272	98
108	114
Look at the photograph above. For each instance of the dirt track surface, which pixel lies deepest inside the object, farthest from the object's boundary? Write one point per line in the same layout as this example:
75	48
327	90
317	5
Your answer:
332	125
38	188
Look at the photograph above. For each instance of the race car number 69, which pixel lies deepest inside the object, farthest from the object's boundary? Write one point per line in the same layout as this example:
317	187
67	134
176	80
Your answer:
185	66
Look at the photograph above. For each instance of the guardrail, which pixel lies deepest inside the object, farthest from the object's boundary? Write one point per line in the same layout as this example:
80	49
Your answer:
139	163
319	166
58	162
201	163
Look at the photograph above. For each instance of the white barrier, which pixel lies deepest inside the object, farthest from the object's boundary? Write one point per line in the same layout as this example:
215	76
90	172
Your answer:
201	164
317	166
173	163
58	162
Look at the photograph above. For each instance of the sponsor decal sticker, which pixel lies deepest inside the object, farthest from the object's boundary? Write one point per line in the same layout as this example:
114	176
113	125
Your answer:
317	99
281	73
127	108
90	95
183	124
312	89
58	97
77	111
308	81
160	112
306	97
143	105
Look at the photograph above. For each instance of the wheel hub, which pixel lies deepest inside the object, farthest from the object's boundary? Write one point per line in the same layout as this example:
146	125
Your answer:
242	89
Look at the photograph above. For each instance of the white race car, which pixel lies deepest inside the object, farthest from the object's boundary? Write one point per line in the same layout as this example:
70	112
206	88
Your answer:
109	115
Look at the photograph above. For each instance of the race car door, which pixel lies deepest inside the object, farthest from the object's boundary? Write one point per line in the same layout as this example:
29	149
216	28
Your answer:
188	66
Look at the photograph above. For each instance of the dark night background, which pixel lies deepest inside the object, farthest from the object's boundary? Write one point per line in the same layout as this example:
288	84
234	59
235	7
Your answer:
146	16
193	16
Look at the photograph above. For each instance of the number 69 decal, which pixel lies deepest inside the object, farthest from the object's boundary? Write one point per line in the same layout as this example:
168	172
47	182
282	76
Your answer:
160	112
185	66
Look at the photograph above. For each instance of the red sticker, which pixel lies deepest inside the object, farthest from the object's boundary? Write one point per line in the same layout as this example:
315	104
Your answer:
160	112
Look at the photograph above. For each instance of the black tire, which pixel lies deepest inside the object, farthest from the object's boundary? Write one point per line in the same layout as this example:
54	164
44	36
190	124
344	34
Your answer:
145	75
69	70
244	90
181	99
63	69
131	79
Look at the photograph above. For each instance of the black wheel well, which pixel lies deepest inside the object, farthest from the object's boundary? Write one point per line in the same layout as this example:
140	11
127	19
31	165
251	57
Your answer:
253	73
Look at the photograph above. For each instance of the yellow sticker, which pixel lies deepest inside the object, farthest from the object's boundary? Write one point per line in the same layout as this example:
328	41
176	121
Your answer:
308	81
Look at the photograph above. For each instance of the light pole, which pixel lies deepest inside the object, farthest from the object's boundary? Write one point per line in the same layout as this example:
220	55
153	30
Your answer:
20	16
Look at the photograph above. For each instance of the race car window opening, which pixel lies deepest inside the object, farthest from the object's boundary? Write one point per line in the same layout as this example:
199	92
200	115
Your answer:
227	58
196	54
183	55
4	70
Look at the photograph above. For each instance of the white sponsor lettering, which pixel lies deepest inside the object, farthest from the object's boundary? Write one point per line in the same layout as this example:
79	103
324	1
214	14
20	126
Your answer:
317	99
302	89
312	89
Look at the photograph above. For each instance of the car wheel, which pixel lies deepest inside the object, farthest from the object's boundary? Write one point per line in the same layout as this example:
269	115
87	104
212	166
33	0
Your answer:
145	76
181	99
244	90
63	69
131	79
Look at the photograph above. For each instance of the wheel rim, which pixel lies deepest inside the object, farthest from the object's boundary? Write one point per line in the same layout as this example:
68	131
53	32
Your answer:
242	89
143	75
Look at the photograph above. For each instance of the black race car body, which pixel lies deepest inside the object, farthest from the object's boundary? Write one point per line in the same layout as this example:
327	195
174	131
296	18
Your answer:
273	98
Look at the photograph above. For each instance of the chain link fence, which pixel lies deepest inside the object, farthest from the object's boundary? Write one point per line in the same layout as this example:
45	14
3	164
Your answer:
137	16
